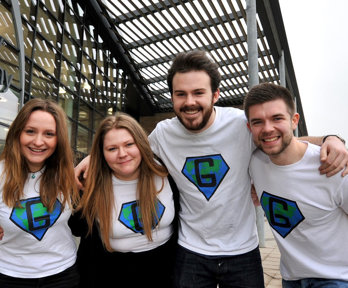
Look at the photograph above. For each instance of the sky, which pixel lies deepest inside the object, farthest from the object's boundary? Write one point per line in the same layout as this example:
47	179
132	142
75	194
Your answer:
317	33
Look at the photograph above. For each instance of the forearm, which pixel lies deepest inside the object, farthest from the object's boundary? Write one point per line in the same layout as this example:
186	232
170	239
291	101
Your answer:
316	140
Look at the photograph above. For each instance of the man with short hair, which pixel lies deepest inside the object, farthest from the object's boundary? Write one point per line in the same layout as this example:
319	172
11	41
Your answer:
308	212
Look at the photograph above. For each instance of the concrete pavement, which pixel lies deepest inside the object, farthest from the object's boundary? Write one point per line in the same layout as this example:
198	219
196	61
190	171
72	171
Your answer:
270	260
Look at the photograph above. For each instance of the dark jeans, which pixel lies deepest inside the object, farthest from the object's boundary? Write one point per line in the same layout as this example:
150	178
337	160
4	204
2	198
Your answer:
68	278
153	268
315	283
198	271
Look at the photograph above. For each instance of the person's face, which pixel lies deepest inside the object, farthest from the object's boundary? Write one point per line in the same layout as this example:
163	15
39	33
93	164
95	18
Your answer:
272	126
122	154
193	100
38	139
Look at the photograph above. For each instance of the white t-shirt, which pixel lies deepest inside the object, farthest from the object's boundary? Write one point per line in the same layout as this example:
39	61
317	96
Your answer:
210	169
127	233
308	215
36	243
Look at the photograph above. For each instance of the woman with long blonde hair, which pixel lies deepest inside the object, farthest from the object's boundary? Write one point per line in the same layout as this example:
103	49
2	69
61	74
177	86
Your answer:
37	193
128	200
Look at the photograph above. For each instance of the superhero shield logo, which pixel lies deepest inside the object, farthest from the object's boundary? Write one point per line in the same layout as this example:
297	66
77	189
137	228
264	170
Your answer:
205	172
283	215
131	218
32	216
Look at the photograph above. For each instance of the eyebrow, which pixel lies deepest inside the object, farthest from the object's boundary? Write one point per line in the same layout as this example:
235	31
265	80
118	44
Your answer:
197	89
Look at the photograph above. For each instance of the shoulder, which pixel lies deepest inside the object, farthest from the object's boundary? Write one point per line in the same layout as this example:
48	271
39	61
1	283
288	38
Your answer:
312	153
230	111
230	115
164	128
258	160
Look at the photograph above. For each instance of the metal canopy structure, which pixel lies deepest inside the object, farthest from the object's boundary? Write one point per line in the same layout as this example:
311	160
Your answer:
150	33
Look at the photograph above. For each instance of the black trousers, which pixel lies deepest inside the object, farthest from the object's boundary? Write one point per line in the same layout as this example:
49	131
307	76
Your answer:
68	278
152	268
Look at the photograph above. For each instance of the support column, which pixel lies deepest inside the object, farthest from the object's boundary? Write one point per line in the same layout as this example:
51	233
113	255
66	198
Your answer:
20	42
253	71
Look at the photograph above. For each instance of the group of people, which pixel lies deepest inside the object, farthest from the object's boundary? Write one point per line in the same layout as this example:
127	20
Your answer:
173	209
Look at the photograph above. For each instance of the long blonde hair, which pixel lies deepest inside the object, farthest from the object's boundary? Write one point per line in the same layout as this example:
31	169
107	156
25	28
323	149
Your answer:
58	176
97	201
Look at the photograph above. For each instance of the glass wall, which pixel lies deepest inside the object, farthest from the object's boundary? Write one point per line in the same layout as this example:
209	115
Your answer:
66	61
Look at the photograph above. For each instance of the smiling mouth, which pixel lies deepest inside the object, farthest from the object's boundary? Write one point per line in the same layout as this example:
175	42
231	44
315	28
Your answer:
191	111
271	139
37	150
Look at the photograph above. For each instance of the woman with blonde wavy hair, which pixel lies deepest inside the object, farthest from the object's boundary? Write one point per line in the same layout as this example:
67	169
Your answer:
128	200
37	193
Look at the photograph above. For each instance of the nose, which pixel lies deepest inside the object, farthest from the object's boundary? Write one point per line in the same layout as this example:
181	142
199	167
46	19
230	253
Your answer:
267	126
38	141
122	152
190	100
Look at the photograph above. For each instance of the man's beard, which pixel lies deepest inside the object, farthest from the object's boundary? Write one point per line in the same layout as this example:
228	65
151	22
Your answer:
285	143
199	126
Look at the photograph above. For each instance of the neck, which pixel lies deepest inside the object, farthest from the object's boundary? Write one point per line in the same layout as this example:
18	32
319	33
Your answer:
292	154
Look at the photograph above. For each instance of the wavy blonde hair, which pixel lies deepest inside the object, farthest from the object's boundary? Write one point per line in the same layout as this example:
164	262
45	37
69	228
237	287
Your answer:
97	201
58	176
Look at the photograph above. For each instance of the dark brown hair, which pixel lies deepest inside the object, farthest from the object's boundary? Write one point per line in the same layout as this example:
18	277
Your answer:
196	60
266	92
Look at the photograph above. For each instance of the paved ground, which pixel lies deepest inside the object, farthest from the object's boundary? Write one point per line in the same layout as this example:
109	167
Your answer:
270	260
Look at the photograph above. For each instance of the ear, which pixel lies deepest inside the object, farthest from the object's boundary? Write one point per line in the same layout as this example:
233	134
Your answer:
248	125
216	95
294	121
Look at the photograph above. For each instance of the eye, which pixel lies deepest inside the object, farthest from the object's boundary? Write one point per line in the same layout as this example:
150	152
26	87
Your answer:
29	131
50	134
278	118
255	122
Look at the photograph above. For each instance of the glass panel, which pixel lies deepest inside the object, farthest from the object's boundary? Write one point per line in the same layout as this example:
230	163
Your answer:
28	9
55	6
87	91
28	75
100	60
9	62
3	134
68	76
73	25
98	118
99	80
88	68
82	140
70	49
6	26
43	85
46	57
101	103
49	28
28	36
79	12
89	45
68	102
70	125
85	114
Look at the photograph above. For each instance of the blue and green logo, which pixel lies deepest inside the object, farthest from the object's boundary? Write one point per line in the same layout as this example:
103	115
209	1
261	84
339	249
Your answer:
206	173
130	216
33	217
283	215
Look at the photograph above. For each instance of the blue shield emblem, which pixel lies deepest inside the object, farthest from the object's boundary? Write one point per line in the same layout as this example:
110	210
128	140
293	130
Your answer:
206	173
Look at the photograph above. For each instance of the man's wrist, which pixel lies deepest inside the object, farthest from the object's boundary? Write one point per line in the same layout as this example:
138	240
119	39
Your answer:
325	137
